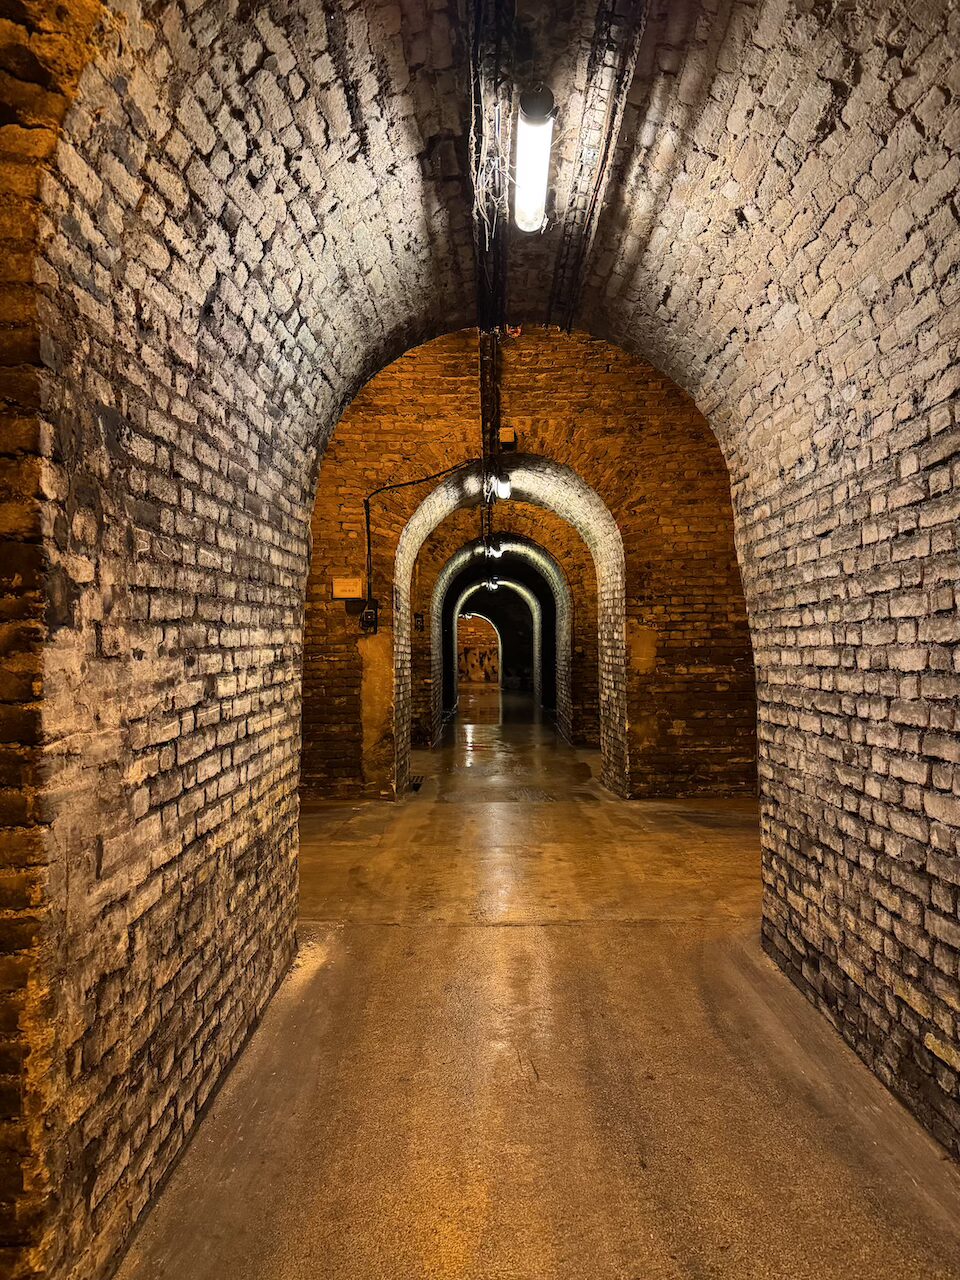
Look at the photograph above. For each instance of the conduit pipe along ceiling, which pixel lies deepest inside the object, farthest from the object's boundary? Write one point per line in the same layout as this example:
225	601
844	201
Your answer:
534	139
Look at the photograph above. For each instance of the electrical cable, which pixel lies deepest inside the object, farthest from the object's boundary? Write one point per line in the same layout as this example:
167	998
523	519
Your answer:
402	484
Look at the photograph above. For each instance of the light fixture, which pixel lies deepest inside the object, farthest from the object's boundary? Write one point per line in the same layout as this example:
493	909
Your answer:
491	584
493	550
534	136
497	486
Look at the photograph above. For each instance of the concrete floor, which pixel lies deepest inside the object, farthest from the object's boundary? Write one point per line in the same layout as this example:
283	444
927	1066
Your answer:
531	1035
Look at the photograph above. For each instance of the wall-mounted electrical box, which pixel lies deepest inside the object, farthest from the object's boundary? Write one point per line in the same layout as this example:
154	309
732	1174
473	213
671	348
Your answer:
370	617
508	438
348	589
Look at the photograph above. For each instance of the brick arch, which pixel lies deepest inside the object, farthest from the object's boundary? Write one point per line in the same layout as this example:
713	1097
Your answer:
544	483
193	303
543	528
553	575
536	614
658	468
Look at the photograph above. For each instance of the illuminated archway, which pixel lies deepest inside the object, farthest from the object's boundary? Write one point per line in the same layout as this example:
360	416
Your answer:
481	617
546	565
549	484
536	614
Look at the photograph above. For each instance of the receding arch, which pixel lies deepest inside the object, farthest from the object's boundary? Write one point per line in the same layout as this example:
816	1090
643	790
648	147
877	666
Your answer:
483	617
663	481
549	568
536	614
557	487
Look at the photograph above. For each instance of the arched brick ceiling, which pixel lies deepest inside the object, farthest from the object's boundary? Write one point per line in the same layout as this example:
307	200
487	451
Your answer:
780	182
523	548
277	191
535	479
779	237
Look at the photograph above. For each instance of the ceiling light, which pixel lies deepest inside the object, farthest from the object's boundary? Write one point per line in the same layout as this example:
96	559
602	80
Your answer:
534	136
497	486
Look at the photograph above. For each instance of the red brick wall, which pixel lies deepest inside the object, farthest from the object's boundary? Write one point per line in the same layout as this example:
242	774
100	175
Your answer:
478	651
640	443
642	446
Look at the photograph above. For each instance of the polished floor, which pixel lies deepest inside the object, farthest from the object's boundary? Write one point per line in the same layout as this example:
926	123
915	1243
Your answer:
531	1036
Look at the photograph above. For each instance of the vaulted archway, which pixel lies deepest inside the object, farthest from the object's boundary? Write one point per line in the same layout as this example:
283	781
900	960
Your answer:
545	483
529	552
532	603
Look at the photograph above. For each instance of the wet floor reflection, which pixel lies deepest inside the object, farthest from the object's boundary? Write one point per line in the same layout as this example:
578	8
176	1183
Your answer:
539	1041
489	704
502	747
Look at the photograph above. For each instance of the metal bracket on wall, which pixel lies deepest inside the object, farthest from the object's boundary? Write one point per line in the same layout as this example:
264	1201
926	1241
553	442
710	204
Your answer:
370	617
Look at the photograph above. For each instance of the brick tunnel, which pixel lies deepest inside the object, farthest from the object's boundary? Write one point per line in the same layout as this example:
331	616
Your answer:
642	958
